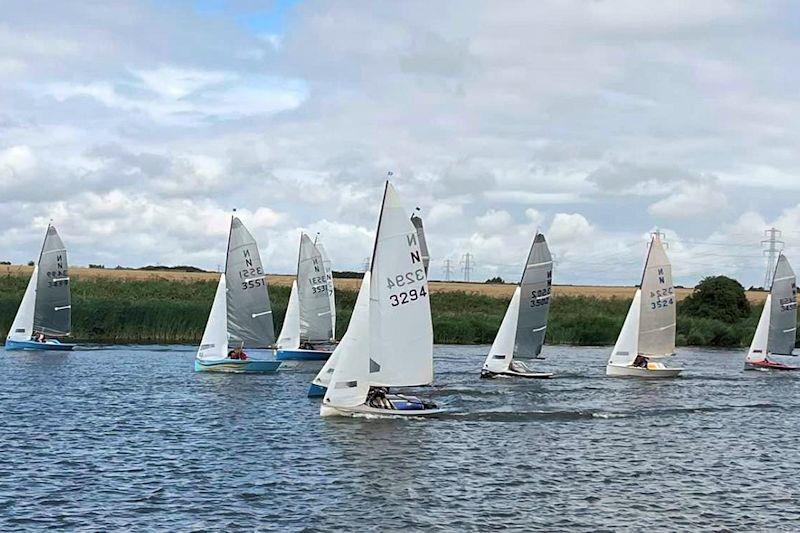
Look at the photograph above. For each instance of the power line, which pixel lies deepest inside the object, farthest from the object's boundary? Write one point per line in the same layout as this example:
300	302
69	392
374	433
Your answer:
448	270
771	252
467	264
365	264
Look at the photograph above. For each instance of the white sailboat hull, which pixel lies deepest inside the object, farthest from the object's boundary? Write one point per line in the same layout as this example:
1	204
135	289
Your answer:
653	371
366	410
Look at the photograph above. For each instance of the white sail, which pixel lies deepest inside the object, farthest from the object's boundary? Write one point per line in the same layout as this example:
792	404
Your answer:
289	338
312	292
328	266
657	313
502	352
350	382
627	347
214	345
758	348
22	327
357	329
400	328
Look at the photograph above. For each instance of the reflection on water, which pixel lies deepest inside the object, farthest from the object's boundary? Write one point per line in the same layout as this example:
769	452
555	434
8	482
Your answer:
131	437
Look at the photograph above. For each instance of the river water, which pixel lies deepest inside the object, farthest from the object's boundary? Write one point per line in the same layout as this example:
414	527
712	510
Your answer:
130	437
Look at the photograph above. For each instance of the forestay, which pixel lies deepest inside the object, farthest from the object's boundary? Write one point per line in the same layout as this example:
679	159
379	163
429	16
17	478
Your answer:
657	307
248	304
52	311
502	351
534	303
214	345
400	329
328	266
423	243
312	286
783	309
357	331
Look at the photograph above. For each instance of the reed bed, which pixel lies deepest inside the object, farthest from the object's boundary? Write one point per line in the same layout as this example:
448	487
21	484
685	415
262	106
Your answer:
169	311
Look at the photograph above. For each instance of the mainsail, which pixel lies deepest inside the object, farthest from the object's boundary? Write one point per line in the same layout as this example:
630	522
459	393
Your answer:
52	309
326	263
214	344
423	244
783	309
400	328
657	306
248	304
534	303
312	285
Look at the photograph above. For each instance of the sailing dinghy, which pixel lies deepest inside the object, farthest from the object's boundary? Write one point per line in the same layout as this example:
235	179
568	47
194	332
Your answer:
308	329
648	333
241	315
777	328
521	334
359	322
393	345
45	312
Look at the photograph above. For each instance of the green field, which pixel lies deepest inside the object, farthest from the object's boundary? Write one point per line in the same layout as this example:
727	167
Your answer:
160	311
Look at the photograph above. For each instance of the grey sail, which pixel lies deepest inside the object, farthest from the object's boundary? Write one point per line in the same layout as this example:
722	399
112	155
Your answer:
247	298
423	244
53	310
312	291
534	303
783	315
657	308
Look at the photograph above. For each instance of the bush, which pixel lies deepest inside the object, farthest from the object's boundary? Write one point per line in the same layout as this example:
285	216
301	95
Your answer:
717	297
496	279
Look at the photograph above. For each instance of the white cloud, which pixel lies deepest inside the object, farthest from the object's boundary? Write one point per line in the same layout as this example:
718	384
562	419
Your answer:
597	121
691	201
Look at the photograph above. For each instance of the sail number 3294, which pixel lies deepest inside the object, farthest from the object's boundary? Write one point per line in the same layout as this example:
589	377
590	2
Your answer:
409	295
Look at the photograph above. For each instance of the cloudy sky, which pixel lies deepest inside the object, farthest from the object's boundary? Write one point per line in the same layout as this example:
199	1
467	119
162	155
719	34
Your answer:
138	126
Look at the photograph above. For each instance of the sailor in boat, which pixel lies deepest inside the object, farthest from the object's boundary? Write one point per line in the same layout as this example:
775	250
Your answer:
640	361
237	353
380	398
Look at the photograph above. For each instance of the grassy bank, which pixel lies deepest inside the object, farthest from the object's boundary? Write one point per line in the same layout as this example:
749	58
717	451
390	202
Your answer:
166	311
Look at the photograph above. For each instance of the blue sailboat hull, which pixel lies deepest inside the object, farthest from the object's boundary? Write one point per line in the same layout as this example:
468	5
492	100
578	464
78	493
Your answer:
236	366
302	355
316	391
50	345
